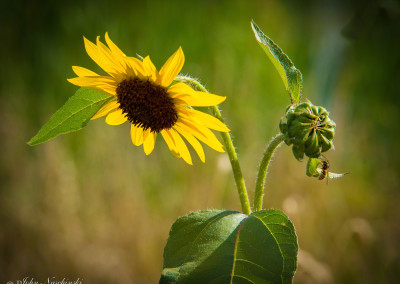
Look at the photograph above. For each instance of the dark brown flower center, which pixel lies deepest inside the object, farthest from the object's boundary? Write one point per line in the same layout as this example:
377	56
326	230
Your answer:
146	104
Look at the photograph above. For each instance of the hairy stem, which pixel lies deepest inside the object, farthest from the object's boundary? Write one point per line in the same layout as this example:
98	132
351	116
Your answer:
230	149
237	172
263	170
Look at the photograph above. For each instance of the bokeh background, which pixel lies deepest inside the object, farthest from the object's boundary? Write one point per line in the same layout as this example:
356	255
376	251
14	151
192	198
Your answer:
90	205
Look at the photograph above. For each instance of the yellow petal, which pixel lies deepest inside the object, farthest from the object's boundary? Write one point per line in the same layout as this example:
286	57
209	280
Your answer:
116	117
180	88
151	70
93	81
208	121
191	126
148	144
196	100
136	135
193	141
111	90
137	66
181	146
92	51
201	133
101	83
170	142
97	56
172	67
183	110
184	94
115	60
104	50
106	109
82	72
114	48
145	134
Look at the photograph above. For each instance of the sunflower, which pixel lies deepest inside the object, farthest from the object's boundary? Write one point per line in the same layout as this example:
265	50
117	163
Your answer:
149	100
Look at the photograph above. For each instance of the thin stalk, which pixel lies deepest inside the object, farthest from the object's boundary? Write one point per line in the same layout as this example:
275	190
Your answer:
230	149
263	170
237	171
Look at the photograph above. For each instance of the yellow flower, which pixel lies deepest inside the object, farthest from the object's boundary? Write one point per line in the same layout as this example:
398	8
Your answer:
146	98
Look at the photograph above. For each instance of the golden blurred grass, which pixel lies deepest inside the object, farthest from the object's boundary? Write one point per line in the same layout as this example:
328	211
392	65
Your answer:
93	206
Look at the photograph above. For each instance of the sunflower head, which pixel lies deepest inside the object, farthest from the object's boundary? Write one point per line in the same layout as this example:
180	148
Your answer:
149	101
146	104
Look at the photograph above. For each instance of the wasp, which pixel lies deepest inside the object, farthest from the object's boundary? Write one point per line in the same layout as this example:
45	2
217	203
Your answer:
324	169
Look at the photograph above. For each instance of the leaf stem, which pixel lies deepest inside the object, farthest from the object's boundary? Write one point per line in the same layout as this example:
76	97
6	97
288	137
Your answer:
230	149
263	169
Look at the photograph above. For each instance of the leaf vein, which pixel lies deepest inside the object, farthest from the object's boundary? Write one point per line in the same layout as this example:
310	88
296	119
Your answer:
72	114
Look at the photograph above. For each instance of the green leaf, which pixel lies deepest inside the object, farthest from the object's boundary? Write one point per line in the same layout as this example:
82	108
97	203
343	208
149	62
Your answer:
291	76
215	246
72	116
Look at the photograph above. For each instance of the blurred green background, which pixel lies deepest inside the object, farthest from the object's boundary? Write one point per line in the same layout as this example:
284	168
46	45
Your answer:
93	206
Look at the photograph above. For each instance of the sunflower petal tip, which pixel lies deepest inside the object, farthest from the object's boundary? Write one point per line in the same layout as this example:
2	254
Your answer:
221	150
181	50
74	68
86	42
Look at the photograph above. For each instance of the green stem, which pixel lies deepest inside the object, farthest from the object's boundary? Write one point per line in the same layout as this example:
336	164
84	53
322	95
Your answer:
237	172
263	169
230	149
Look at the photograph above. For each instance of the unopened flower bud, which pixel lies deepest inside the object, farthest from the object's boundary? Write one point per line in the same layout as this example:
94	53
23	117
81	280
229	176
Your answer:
309	129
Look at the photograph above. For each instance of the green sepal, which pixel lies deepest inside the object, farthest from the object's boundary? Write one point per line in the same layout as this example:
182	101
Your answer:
298	152
311	146
283	126
291	76
328	132
325	143
215	246
73	115
311	169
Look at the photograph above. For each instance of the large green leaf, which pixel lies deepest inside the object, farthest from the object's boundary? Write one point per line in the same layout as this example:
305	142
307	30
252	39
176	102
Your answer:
291	76
72	116
215	246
